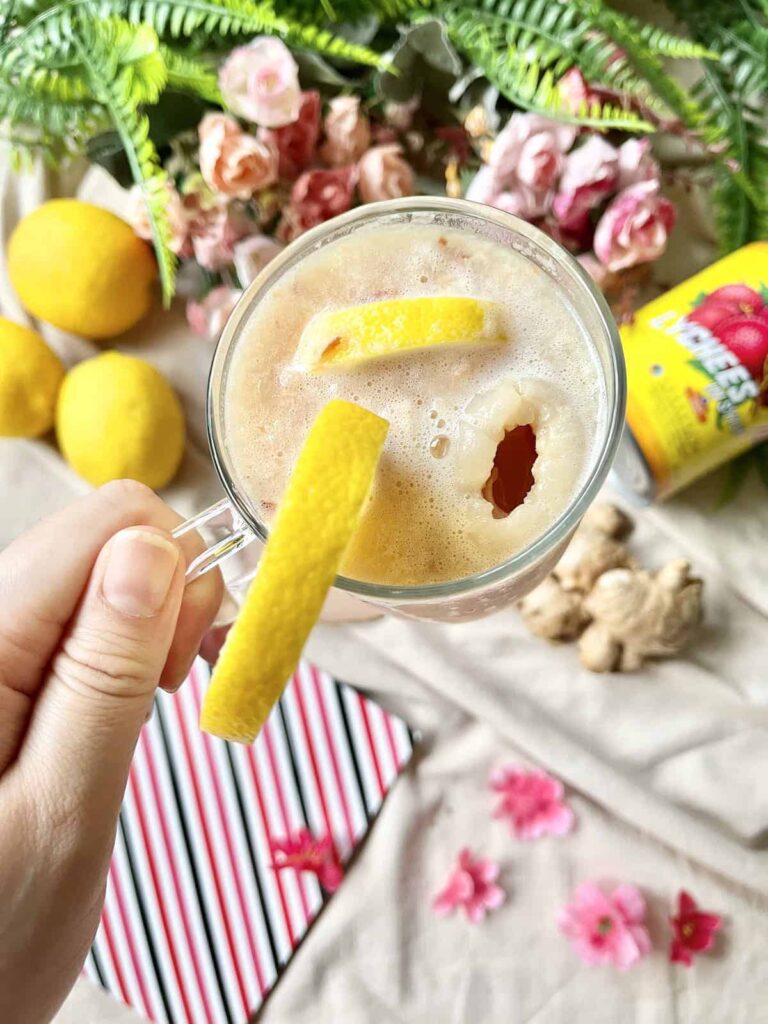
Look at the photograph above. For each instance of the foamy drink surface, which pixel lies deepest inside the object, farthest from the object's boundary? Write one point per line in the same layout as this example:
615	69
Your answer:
429	517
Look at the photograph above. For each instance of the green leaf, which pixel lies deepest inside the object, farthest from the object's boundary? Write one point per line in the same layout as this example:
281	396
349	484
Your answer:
98	48
422	58
701	297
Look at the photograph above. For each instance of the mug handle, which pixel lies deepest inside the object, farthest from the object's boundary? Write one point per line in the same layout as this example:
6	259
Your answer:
234	540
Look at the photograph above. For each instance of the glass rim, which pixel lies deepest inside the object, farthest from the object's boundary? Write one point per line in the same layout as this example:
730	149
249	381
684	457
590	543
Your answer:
565	523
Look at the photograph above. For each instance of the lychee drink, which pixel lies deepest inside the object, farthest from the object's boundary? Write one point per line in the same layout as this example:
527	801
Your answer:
487	446
697	369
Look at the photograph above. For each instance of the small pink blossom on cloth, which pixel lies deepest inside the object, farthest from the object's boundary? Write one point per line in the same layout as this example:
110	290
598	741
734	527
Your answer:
606	928
694	930
305	852
472	886
531	801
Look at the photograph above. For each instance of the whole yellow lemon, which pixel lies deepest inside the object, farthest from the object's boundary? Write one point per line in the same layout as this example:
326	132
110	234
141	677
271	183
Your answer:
30	378
117	416
81	268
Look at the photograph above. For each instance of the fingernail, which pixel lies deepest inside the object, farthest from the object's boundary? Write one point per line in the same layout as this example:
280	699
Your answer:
139	572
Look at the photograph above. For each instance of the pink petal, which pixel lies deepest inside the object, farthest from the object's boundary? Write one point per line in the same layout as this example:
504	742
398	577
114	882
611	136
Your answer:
561	821
444	904
475	911
624	950
679	954
487	870
630	902
494	897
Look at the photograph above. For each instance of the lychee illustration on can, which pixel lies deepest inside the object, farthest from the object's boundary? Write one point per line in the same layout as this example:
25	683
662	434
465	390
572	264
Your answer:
697	370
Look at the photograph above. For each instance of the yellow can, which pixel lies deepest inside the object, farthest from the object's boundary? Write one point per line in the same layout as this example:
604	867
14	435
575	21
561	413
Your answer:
697	373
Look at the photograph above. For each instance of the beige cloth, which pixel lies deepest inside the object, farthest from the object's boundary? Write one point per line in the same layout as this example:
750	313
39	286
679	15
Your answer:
667	769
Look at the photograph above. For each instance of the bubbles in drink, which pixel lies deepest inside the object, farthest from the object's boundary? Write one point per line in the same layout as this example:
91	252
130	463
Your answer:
438	446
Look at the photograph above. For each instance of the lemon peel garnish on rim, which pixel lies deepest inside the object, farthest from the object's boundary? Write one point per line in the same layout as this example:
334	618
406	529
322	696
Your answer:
313	526
340	338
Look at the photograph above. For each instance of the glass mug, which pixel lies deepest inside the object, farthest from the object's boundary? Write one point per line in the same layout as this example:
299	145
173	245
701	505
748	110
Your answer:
473	596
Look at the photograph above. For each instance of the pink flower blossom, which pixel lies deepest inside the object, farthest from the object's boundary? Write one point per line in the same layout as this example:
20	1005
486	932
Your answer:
384	174
590	174
209	316
606	928
214	233
400	115
525	164
575	91
178	218
303	852
532	802
636	163
316	197
296	142
231	162
635	227
347	132
594	268
471	886
260	82
694	930
252	255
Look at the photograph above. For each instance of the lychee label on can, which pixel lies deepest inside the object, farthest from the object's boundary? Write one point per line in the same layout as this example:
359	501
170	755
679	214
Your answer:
697	368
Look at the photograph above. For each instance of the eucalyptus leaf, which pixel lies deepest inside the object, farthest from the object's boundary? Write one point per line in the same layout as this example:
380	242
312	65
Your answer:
314	70
107	151
422	60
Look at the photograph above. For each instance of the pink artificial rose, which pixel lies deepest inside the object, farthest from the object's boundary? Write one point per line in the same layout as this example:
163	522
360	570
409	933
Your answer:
296	143
214	234
472	886
209	316
347	132
594	268
260	83
252	255
231	162
606	928
303	852
525	165
399	116
574	91
384	174
590	174
636	163
532	802
178	218
635	227
316	197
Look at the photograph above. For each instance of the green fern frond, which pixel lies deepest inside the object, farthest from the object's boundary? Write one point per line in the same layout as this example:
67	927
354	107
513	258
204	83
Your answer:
190	75
622	31
524	47
116	94
51	31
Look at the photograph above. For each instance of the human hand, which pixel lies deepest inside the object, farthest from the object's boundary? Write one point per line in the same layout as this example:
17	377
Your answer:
93	615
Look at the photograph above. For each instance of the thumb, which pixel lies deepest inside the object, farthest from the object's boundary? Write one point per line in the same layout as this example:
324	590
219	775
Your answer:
102	680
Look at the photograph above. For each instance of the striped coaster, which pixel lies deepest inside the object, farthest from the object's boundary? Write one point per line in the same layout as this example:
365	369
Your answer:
197	923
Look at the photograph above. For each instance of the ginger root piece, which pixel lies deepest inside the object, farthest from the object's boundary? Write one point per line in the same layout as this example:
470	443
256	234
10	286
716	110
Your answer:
638	615
597	545
553	612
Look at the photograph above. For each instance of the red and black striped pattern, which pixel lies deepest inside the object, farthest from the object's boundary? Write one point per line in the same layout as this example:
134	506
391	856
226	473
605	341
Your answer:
197	925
